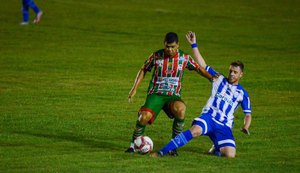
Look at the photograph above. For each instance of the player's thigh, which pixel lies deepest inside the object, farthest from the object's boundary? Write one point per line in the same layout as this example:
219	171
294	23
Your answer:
223	138
228	151
204	121
151	108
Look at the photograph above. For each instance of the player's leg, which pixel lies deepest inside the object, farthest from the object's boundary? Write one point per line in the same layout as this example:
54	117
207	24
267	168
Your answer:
178	109
37	11
146	116
32	5
199	127
224	143
25	12
179	141
228	151
175	109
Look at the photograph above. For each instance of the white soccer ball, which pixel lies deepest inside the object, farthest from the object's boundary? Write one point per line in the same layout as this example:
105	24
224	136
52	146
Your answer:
143	144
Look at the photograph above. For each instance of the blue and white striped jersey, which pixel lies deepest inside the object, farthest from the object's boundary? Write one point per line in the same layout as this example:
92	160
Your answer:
224	100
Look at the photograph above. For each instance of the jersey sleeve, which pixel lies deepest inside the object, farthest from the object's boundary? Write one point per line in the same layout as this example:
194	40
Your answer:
246	104
211	71
191	64
149	63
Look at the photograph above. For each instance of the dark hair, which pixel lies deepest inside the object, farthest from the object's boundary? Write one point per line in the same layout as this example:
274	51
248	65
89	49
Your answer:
171	37
238	64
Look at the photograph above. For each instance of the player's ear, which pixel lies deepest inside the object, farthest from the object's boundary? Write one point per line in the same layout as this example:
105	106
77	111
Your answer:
241	75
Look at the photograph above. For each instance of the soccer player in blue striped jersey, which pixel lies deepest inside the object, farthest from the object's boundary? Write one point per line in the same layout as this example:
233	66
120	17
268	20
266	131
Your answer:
216	119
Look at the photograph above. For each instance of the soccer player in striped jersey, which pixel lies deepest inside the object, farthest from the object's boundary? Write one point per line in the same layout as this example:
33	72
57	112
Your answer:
164	89
216	119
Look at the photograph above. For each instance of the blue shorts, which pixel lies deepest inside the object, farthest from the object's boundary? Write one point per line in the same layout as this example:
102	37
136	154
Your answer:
220	134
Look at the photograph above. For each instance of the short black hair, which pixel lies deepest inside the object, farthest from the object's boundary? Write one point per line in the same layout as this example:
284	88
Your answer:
171	37
238	64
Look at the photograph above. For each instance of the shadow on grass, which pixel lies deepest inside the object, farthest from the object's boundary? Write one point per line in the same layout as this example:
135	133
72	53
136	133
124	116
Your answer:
102	143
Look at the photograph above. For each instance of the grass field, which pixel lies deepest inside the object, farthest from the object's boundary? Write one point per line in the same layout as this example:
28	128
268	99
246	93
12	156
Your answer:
64	83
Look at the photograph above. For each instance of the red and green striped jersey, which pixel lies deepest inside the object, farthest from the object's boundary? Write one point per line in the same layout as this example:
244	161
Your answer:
168	71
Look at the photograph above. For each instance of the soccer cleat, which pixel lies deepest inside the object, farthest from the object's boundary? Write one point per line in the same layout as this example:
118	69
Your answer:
212	149
173	153
38	18
130	150
23	23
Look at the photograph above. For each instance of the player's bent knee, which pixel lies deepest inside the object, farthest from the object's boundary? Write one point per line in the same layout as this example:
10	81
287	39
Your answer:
228	152
145	117
196	130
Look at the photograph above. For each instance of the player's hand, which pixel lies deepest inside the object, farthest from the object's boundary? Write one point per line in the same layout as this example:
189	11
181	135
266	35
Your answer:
246	131
130	96
191	37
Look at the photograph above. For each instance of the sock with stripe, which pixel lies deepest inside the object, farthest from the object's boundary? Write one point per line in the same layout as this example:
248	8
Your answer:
138	130
178	125
179	141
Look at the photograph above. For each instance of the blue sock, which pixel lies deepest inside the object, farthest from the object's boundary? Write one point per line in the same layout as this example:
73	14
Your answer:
179	141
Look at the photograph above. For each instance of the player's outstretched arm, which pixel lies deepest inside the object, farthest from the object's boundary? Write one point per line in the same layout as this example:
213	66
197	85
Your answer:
204	73
139	78
191	38
247	123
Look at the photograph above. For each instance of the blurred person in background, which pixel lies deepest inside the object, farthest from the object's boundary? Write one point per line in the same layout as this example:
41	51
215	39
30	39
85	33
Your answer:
26	4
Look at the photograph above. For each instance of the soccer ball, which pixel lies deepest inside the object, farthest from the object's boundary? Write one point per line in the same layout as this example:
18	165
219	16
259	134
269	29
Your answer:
143	144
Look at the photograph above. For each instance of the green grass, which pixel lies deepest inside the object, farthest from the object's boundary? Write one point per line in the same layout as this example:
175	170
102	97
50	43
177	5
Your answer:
64	83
